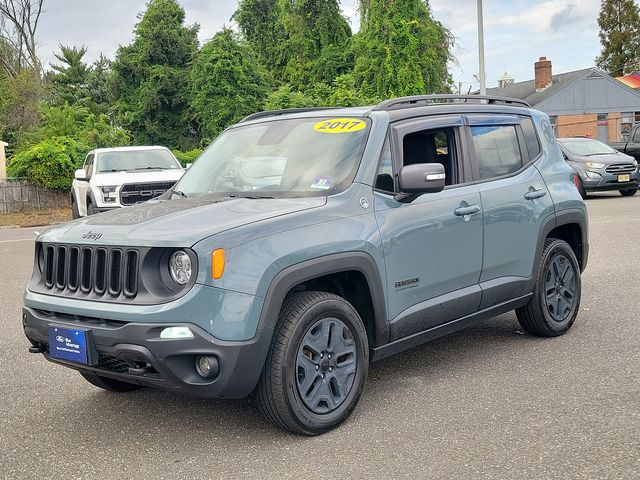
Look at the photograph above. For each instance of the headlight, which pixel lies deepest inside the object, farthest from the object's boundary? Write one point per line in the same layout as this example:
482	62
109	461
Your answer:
180	267
594	165
108	194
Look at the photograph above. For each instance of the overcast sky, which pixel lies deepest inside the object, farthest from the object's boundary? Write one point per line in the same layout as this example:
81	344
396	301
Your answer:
517	32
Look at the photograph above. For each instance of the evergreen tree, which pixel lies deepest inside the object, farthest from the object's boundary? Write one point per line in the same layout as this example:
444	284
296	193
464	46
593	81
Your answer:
401	50
619	22
98	94
67	82
151	77
227	83
261	24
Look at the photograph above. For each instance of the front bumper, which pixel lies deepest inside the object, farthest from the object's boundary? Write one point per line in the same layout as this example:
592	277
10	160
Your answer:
135	353
608	181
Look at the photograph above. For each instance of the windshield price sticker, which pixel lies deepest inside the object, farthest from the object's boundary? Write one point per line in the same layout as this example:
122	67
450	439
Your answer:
339	125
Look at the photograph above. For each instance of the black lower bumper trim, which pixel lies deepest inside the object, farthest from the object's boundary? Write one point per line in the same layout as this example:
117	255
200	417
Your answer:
135	353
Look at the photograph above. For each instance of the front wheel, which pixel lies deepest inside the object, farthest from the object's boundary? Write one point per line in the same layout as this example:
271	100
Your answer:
554	305
316	366
91	209
628	193
110	384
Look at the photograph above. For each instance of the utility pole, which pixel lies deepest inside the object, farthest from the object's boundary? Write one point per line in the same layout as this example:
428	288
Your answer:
481	73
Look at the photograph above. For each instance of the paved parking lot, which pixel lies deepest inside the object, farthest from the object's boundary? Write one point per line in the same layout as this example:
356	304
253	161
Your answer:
488	402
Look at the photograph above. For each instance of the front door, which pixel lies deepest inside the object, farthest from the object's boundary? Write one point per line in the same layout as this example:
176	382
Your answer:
433	244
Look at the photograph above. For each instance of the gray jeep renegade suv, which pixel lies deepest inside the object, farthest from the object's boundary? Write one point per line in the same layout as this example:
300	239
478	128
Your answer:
304	244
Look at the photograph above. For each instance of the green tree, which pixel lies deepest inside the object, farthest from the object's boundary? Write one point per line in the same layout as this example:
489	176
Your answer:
261	24
299	41
619	22
287	97
151	77
20	96
99	98
401	49
227	83
67	81
314	29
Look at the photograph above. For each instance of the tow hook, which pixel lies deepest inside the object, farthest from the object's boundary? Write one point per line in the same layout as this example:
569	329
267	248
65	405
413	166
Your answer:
36	349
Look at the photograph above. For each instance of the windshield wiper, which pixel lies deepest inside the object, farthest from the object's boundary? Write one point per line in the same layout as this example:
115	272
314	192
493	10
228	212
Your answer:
148	168
252	197
179	193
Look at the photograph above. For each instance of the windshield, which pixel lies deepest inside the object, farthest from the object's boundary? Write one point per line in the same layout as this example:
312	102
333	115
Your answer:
587	148
128	160
280	158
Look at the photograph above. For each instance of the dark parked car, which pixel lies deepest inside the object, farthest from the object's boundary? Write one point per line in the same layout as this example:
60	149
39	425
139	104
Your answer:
632	145
600	167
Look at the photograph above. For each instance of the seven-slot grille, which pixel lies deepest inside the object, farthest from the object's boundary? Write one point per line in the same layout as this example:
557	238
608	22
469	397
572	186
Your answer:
141	192
91	270
621	168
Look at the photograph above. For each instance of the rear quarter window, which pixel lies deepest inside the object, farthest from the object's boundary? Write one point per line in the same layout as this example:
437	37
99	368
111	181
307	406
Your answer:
530	138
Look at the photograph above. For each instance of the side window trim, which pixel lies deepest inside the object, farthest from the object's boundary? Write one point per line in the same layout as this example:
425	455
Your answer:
399	130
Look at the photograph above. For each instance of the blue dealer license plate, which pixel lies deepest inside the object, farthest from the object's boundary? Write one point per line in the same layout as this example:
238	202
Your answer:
69	344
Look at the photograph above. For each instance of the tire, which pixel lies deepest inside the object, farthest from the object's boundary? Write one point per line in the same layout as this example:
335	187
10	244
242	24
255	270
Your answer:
109	384
91	209
301	389
581	190
553	308
75	213
628	193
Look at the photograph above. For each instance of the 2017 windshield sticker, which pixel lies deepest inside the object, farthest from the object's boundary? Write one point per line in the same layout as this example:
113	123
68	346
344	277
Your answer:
322	183
339	125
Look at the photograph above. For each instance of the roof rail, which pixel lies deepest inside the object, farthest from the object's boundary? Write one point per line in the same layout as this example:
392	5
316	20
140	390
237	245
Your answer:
276	113
414	100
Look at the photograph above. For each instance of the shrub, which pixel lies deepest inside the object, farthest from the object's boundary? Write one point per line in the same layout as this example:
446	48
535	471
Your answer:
50	163
187	157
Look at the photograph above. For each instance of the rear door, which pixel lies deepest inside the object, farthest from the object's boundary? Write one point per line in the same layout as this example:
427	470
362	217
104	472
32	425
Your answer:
433	244
515	202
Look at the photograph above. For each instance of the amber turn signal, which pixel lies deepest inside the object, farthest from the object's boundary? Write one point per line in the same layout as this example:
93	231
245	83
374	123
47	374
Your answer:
217	263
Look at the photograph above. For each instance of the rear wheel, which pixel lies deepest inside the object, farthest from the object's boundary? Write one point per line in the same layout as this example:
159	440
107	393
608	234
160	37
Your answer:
316	366
628	193
109	384
556	297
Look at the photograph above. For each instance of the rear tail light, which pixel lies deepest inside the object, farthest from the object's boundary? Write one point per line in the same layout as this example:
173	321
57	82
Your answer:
576	181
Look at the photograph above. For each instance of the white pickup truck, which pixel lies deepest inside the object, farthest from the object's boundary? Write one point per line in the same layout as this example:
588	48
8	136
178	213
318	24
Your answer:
118	177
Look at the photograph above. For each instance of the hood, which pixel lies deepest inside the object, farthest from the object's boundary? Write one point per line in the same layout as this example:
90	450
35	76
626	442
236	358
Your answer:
607	159
138	176
176	222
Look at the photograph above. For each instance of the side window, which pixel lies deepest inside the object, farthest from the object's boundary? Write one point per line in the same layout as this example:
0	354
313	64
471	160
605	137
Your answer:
530	138
384	179
636	136
88	165
497	150
432	146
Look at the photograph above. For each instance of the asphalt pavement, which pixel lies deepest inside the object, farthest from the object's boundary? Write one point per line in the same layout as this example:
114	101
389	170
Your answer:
489	402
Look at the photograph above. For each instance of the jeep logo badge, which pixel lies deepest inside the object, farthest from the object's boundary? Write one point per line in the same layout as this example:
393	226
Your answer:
92	235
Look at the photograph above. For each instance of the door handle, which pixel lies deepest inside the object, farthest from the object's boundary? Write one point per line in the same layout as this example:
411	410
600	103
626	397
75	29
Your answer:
532	194
464	211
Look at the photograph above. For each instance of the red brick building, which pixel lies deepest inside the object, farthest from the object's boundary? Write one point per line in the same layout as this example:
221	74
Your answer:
586	102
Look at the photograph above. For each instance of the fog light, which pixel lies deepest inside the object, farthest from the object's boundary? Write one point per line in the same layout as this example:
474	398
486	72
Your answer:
176	332
207	366
593	175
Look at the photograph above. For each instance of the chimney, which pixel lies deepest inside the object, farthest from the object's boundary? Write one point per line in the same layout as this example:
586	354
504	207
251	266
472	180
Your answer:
543	73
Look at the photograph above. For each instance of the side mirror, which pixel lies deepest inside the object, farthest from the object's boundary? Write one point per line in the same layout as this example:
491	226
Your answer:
188	166
80	174
422	178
